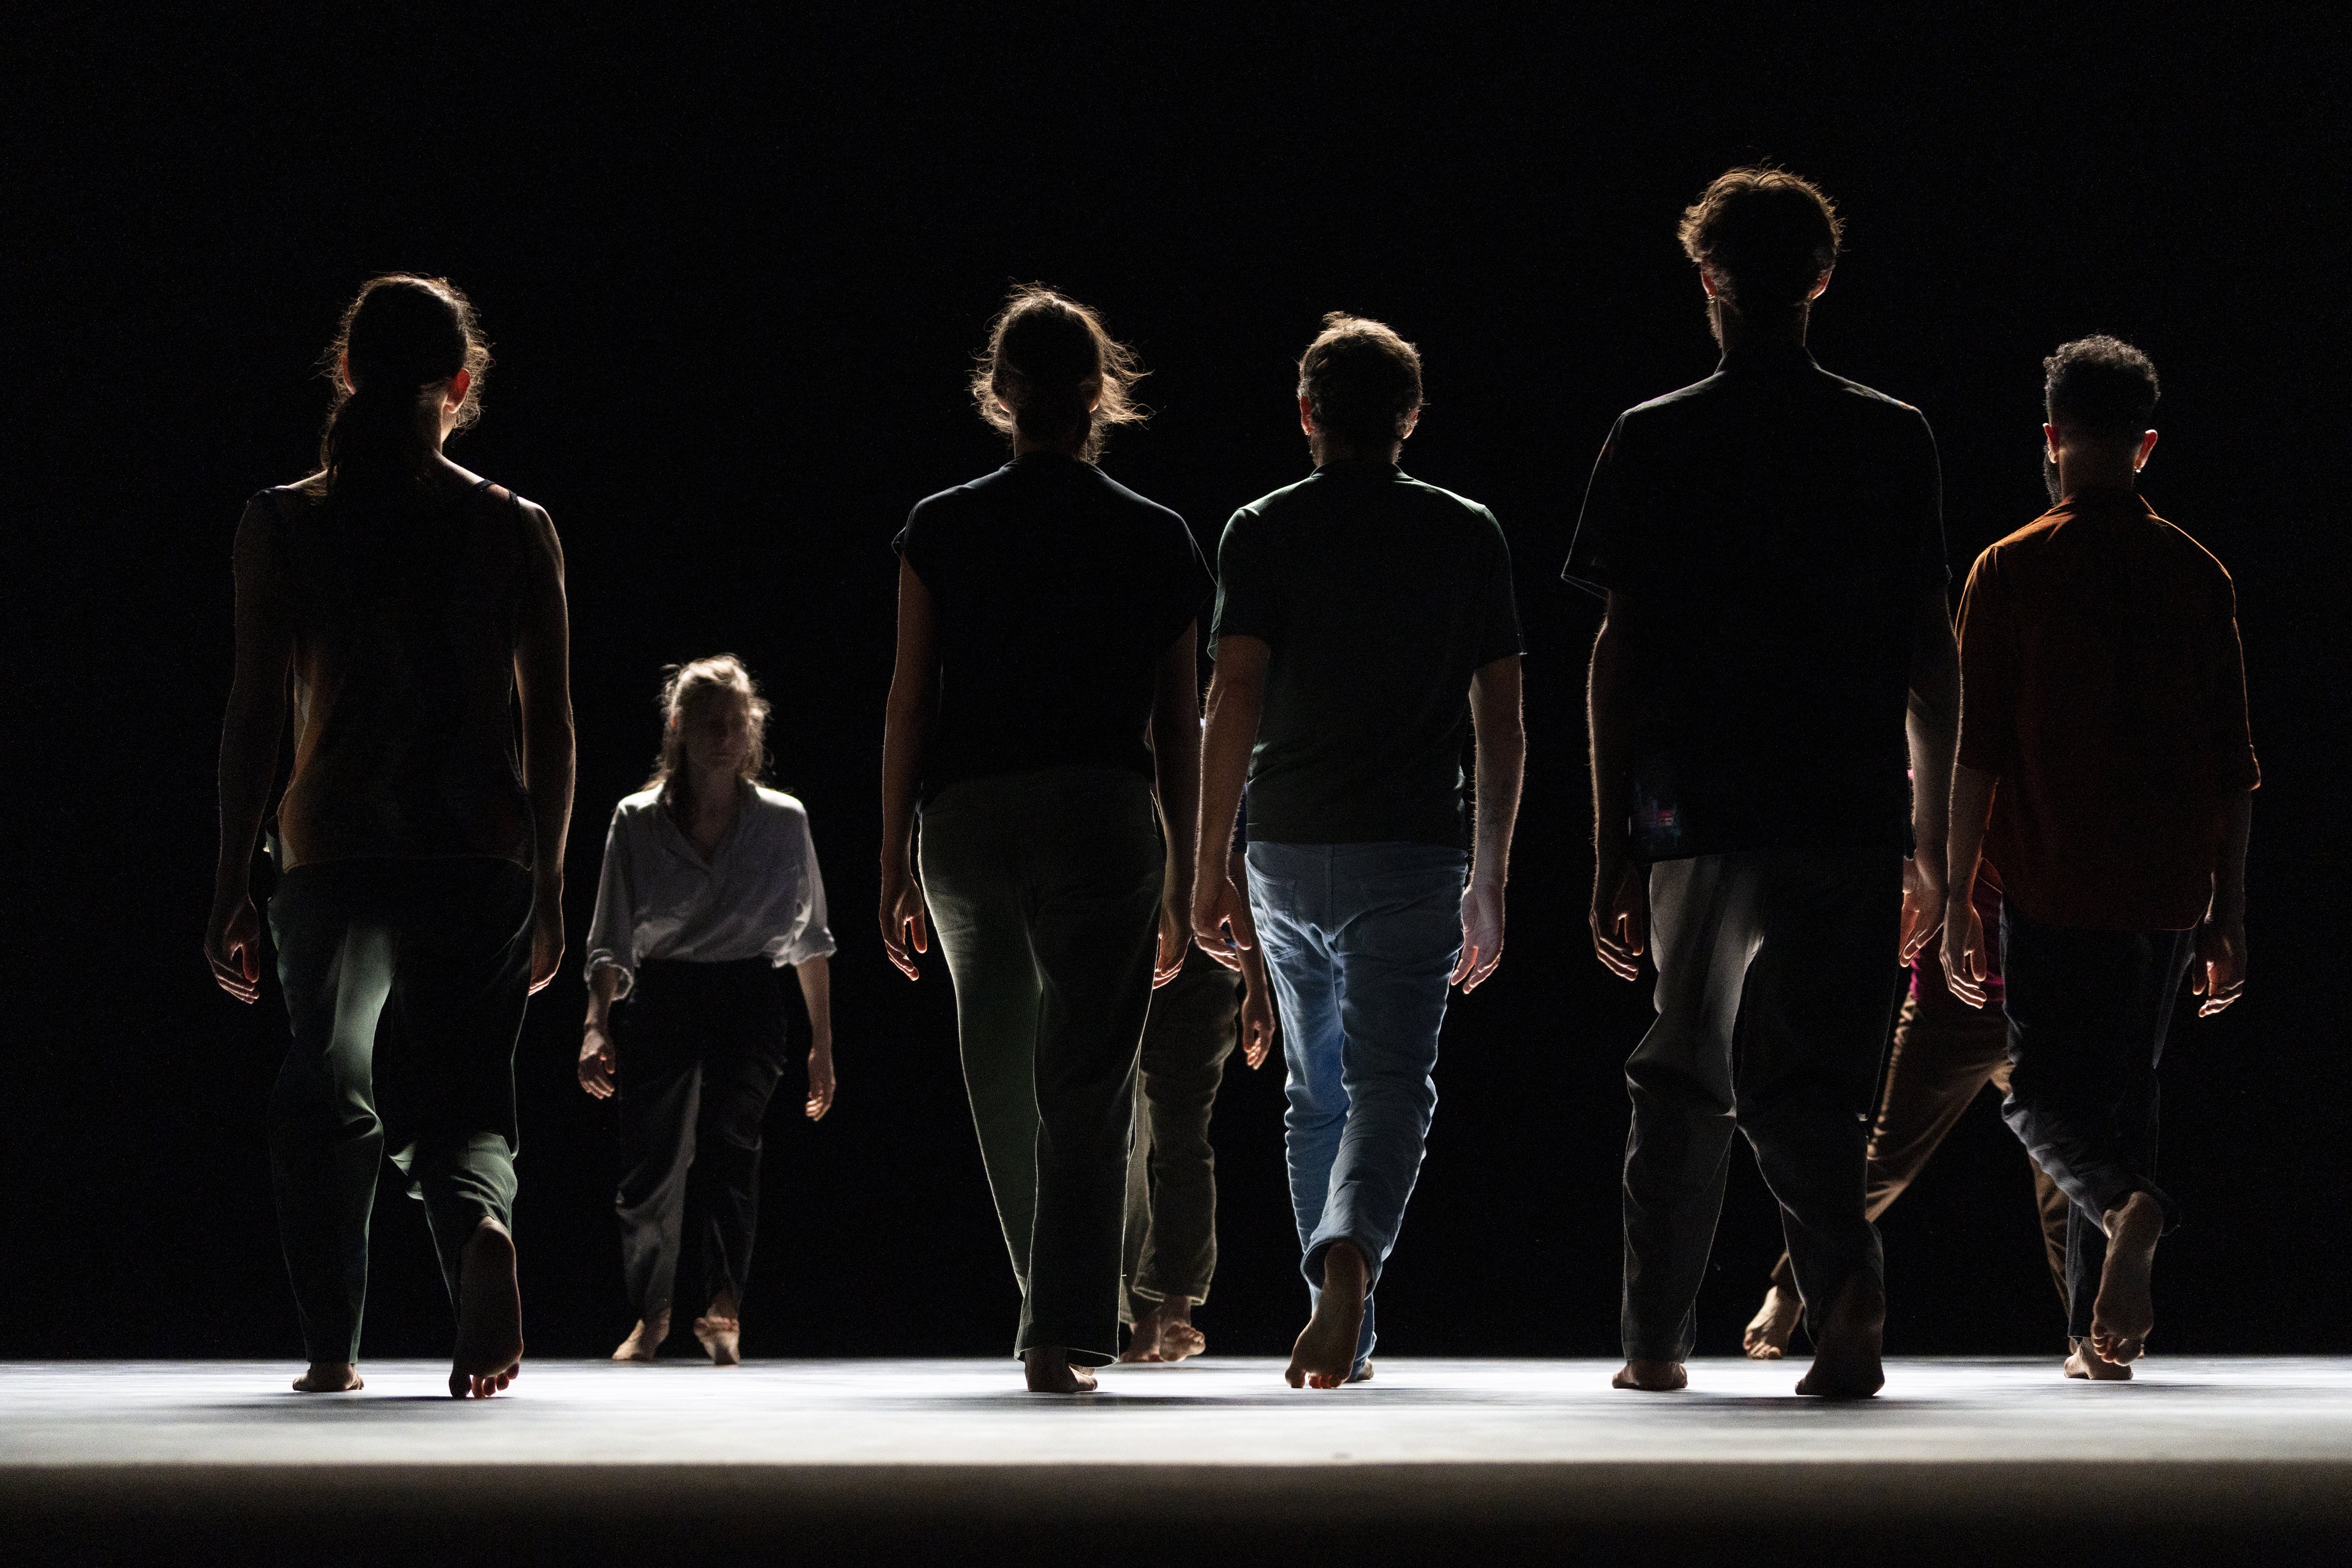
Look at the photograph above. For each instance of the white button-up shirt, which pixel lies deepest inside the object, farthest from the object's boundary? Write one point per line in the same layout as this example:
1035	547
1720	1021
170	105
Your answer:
760	894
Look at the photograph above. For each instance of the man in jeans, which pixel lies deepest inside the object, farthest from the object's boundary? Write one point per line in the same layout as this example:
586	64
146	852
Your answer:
2104	734
1770	544
1365	624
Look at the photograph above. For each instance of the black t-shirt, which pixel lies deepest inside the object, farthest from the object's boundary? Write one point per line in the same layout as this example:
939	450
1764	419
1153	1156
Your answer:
1378	596
1056	590
1766	534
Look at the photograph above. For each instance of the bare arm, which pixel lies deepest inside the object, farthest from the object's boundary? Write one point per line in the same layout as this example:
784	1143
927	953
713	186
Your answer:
913	704
1502	756
1932	727
2219	973
248	753
816	990
598	1057
543	682
1621	894
1965	964
1176	764
1258	1023
1221	916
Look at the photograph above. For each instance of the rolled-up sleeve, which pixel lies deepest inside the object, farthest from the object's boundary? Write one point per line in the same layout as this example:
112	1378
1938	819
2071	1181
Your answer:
1249	602
1596	556
810	936
612	934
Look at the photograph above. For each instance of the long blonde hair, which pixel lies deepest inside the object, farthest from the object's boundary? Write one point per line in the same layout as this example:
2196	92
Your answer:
684	685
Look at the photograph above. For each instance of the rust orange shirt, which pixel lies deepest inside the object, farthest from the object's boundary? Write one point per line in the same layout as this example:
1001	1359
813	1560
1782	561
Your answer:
2101	680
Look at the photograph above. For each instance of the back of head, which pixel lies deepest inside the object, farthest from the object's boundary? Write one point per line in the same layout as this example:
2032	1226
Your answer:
402	335
1052	376
1361	382
1766	236
2100	387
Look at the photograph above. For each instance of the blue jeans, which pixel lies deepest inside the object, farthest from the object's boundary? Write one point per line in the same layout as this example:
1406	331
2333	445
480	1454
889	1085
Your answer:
1359	940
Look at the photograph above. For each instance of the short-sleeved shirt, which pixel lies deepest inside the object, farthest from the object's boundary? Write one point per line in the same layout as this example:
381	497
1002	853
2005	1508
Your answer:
1766	535
760	894
1055	590
404	627
1378	597
2102	682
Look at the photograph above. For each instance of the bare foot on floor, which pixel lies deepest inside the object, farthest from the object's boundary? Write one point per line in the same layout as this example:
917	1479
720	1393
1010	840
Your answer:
1362	1374
1651	1377
644	1341
1851	1337
1326	1351
329	1377
1178	1338
2087	1362
1143	1336
490	1316
2125	1313
1773	1326
1048	1370
722	1338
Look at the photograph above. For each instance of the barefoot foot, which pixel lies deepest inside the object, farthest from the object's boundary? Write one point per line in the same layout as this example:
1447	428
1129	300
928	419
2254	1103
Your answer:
2087	1362
2125	1313
1326	1351
1846	1355
329	1377
722	1338
1773	1326
644	1341
1178	1338
1143	1336
1651	1377
490	1316
1048	1371
1362	1374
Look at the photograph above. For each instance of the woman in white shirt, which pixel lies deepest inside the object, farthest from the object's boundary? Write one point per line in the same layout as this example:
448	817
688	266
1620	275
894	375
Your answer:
710	887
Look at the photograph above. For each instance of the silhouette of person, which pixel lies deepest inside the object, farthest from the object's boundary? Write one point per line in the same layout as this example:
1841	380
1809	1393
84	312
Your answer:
710	889
1771	544
2106	781
1046	624
1365	629
412	605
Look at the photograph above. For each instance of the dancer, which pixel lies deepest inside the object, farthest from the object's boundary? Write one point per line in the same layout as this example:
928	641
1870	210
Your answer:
1365	627
2107	777
1171	1172
1943	1054
412	604
1770	544
710	887
1046	620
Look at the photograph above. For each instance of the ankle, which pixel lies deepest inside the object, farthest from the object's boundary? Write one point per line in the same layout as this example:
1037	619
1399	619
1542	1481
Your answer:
1344	1270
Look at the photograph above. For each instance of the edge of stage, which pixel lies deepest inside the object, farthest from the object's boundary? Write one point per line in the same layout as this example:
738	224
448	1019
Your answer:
882	1461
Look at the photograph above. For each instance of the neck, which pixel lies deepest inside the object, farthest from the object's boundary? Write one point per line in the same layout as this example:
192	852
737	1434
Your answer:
1733	330
1336	452
1069	447
707	791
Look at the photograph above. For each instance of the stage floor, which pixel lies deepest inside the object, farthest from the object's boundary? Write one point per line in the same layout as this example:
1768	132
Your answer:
871	1461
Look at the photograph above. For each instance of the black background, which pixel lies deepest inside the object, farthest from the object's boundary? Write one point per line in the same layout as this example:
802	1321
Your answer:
733	271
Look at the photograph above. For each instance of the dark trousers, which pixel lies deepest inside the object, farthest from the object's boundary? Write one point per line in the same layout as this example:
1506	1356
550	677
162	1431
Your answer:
1172	1171
405	984
1044	889
1944	1053
701	1047
1775	980
2088	1013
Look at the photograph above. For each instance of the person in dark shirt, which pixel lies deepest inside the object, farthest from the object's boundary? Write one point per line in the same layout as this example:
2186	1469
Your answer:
1365	628
412	608
1775	648
2107	780
1047	619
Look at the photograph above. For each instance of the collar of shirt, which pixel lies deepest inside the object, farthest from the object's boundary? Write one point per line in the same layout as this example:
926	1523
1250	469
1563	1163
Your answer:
1772	355
675	835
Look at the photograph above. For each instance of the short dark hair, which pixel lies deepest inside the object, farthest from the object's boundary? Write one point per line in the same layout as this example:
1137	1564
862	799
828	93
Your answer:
1047	355
1766	236
2101	386
1360	379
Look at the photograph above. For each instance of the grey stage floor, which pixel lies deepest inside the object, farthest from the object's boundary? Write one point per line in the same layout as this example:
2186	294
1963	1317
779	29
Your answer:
867	1460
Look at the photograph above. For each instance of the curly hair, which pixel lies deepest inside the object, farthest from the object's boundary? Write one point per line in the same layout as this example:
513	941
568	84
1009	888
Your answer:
2101	386
1049	357
1361	381
1766	236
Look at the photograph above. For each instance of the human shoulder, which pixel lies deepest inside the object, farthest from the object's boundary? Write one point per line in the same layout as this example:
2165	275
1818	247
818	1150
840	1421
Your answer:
638	808
1668	407
1877	407
2190	555
1275	503
777	805
1439	499
1142	505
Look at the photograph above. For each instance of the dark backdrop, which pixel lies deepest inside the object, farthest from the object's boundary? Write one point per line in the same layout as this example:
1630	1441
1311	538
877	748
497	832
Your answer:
734	274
